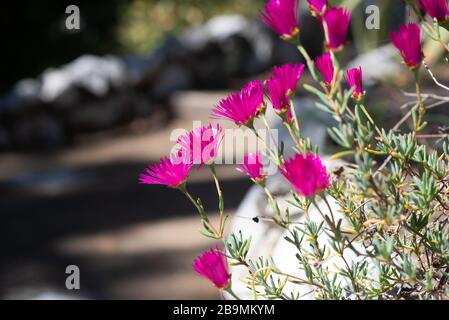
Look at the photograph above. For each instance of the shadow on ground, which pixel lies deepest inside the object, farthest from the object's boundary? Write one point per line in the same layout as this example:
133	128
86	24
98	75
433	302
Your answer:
129	240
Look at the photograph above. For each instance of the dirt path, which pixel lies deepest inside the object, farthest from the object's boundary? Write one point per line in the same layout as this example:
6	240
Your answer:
83	206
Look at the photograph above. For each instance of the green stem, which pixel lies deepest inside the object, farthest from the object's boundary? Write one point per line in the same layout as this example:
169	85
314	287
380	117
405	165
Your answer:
213	233
265	121
309	61
294	138
421	106
270	152
199	207
273	203
220	198
329	208
295	119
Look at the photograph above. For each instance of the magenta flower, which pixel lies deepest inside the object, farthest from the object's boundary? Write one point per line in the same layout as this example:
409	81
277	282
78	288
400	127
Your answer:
326	67
172	172
306	174
282	84
283	17
277	95
252	166
355	80
212	265
408	41
318	7
242	107
289	75
437	9
200	146
337	21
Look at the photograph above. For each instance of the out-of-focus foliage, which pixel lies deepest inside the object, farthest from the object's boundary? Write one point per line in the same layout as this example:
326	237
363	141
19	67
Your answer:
145	22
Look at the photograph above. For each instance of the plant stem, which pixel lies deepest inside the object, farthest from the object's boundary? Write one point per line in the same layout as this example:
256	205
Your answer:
270	152
275	207
220	199
265	121
200	209
421	106
309	61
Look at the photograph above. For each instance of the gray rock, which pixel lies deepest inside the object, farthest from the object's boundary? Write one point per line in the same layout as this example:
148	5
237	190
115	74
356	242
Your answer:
146	68
28	89
41	130
172	78
96	75
98	114
217	29
24	94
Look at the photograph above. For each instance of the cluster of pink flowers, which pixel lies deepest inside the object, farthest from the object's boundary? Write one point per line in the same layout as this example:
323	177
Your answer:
199	146
305	172
283	17
245	106
353	76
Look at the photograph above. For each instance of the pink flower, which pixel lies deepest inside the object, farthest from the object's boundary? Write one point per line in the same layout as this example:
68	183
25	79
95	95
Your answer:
437	9
355	80
326	67
337	21
289	75
318	7
242	107
283	17
306	174
282	84
277	95
252	166
408	41
212	265
200	146
172	172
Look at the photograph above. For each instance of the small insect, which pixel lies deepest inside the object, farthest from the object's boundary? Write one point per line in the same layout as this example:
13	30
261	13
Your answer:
339	171
264	219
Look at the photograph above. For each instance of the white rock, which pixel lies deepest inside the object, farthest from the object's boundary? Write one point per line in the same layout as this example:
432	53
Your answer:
95	74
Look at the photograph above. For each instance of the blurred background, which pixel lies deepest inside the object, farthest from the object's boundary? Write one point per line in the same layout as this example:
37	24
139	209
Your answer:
83	112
